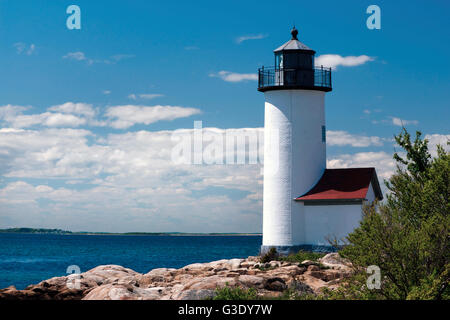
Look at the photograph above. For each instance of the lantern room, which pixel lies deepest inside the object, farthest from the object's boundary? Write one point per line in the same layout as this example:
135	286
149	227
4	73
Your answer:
294	69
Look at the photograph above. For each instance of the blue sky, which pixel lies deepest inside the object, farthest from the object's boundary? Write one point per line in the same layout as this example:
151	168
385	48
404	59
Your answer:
73	92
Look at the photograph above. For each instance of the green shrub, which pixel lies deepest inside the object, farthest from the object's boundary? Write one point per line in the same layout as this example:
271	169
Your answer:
270	255
227	293
407	237
302	256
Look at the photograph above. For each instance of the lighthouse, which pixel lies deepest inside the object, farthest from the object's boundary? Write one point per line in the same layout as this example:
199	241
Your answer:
304	203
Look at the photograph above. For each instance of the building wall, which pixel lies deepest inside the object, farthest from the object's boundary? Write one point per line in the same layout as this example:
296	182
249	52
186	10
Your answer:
294	159
321	221
370	194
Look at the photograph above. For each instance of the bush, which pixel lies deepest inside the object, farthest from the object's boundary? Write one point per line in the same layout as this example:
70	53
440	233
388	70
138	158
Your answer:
302	256
407	237
270	255
227	293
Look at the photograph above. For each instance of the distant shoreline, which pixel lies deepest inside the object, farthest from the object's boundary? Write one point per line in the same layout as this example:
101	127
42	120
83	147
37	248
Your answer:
64	232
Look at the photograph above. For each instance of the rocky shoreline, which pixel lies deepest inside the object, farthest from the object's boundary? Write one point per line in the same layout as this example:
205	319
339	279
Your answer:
193	282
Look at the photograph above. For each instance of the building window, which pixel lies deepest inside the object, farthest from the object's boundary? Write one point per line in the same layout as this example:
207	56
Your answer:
324	134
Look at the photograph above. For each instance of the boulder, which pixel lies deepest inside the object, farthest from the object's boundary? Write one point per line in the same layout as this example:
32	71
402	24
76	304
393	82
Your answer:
307	263
274	264
219	263
292	270
334	260
235	263
111	292
157	275
247	264
198	267
195	294
252	281
211	282
313	267
275	284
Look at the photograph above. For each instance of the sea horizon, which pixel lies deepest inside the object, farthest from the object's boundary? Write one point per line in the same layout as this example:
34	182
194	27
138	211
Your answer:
27	230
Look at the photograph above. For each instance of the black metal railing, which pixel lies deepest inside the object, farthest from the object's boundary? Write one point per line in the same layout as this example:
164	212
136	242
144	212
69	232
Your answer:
316	78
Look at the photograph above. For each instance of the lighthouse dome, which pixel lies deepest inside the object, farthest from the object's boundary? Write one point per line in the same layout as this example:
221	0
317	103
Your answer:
294	44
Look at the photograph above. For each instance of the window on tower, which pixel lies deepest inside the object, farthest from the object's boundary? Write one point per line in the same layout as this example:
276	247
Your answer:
279	61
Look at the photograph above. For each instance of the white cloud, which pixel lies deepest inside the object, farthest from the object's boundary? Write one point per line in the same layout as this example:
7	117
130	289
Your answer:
69	114
434	140
401	122
235	77
24	48
14	117
133	185
122	117
20	47
60	120
343	138
149	96
335	60
10	130
382	161
9	111
106	92
31	49
78	56
83	109
146	96
250	37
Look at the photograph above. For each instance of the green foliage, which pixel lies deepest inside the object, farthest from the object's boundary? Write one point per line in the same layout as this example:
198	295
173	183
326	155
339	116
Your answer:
408	236
417	155
227	293
263	268
302	256
432	287
270	255
353	288
293	294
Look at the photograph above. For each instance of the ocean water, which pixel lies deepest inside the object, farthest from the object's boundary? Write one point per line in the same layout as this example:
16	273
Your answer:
30	258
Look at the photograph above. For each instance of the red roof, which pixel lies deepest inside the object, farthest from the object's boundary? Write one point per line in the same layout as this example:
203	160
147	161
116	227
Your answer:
344	184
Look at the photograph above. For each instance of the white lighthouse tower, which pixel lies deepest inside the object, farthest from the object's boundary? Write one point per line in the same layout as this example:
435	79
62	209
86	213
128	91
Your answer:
294	148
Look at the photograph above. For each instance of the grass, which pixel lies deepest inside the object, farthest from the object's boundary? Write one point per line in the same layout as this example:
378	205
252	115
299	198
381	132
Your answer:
227	293
302	256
